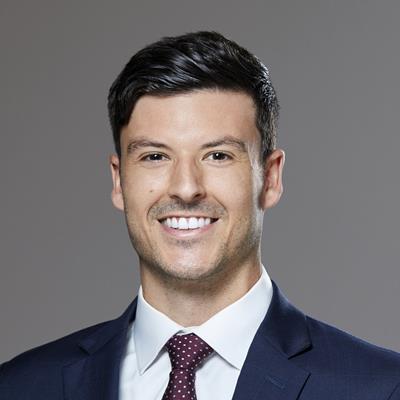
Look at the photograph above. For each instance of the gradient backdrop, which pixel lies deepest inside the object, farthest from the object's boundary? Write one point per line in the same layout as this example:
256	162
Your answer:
332	243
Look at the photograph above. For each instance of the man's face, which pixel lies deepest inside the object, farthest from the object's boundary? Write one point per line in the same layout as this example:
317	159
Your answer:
191	185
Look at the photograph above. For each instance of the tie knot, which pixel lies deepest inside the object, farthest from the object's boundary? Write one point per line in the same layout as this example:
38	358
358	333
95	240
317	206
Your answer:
187	351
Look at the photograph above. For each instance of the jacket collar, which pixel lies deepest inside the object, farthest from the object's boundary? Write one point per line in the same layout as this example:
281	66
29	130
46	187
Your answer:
284	326
93	342
266	373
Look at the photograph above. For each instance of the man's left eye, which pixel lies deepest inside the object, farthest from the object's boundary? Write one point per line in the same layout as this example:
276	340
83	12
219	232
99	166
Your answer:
219	156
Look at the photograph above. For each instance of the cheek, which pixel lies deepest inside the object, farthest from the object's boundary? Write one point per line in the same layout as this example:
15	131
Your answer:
142	190
234	189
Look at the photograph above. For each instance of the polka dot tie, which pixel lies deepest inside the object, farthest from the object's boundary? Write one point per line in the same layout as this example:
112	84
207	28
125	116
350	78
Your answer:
186	352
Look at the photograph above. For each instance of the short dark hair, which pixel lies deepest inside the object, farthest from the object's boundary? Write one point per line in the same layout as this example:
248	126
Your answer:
198	60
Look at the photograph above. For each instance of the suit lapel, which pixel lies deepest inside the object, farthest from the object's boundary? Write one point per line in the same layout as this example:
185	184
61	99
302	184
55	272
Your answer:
268	373
96	375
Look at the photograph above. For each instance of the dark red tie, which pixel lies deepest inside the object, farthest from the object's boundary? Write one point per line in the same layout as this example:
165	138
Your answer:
186	352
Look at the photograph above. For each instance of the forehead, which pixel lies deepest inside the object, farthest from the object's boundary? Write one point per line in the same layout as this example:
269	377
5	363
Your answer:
195	116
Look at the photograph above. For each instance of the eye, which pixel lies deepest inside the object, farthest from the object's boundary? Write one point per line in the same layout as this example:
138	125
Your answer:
153	157
219	156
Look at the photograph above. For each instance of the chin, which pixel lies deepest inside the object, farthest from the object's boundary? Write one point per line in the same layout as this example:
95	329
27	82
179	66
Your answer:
189	270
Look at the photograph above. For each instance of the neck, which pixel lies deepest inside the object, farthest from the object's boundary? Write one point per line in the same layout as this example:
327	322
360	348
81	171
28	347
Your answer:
192	302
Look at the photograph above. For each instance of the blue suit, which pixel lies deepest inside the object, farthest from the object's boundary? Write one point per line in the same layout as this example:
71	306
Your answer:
292	357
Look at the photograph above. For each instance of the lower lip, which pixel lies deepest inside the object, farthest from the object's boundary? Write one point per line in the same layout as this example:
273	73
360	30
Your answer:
187	233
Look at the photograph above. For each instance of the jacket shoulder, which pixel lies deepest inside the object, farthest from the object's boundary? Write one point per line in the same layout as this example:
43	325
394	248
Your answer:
345	353
46	359
38	373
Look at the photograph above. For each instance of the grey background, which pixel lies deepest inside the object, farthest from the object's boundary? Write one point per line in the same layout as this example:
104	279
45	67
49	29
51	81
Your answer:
331	244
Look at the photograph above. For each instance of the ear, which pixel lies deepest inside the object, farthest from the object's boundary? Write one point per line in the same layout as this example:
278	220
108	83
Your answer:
272	188
116	193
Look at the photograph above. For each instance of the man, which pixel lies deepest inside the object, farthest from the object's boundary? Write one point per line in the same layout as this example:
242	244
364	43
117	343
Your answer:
196	166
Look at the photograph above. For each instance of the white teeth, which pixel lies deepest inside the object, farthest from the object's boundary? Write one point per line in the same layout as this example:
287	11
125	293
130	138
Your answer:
183	223
193	223
186	223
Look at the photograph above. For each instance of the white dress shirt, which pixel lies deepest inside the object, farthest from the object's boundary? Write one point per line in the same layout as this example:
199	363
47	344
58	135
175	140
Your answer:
146	364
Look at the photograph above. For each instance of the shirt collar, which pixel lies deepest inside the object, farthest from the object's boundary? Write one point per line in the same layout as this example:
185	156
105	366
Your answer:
152	329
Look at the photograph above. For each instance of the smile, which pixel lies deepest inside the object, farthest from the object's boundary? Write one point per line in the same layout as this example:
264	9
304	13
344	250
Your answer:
182	223
187	226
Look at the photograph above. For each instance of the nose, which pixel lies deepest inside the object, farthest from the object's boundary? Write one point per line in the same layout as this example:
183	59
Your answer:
186	182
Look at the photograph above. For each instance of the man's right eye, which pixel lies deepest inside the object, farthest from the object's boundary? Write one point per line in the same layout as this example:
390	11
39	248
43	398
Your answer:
154	157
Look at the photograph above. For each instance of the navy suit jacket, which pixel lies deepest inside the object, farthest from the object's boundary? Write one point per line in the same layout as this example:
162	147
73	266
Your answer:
291	357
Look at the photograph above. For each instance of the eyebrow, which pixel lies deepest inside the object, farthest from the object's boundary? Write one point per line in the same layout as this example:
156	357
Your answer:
226	140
